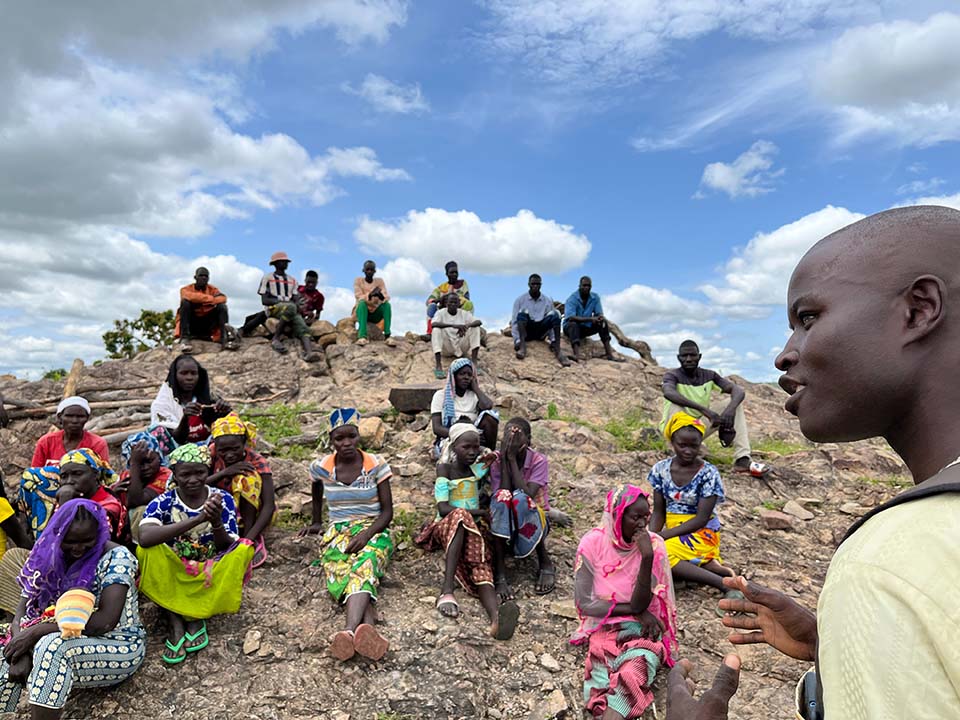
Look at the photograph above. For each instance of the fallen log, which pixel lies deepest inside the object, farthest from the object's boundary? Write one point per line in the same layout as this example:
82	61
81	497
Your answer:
638	346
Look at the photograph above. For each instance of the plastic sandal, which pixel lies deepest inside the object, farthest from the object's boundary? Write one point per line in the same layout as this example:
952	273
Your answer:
448	599
260	554
181	654
439	374
369	643
341	646
507	616
201	633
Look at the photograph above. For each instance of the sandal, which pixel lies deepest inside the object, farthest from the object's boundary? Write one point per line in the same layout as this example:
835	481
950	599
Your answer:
540	589
439	374
507	616
341	646
201	633
369	643
186	348
179	653
448	599
756	469
260	554
279	347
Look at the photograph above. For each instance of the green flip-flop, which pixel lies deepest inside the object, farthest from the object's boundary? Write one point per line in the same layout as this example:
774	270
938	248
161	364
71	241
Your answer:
202	632
180	653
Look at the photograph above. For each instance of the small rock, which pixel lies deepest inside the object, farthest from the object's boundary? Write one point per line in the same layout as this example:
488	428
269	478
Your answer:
428	600
251	641
529	658
564	609
792	507
549	662
372	433
494	713
852	509
339	715
430	626
547	687
810	502
773	520
552	706
409	469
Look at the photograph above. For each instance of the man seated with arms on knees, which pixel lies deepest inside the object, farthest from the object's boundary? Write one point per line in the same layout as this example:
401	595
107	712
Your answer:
202	314
278	293
453	285
458	333
311	299
373	304
583	317
689	388
534	318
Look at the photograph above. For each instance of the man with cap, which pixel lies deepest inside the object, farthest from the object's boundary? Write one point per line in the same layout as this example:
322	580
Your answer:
72	415
373	303
202	314
278	293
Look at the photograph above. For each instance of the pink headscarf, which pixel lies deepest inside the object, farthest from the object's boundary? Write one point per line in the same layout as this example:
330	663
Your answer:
614	563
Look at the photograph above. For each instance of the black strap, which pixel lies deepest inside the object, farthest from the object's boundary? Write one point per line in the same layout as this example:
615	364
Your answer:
915	493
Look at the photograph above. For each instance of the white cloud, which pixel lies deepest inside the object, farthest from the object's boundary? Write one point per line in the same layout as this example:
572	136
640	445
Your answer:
640	307
404	276
952	201
758	274
516	245
899	79
918	187
389	97
749	175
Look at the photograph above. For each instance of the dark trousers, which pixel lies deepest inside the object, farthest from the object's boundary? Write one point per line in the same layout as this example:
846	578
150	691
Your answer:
201	327
577	331
539	329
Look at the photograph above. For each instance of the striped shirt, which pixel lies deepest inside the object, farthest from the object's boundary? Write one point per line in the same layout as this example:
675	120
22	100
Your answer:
359	499
282	287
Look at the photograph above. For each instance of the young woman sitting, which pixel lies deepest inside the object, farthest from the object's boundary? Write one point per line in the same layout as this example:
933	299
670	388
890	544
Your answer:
184	410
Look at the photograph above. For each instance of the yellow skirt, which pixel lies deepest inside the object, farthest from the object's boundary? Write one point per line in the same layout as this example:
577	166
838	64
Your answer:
698	547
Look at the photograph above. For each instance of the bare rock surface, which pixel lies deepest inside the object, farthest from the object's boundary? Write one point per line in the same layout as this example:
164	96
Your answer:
595	420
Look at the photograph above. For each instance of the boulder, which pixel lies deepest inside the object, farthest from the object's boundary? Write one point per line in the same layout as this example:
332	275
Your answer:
372	433
321	328
792	507
413	398
774	520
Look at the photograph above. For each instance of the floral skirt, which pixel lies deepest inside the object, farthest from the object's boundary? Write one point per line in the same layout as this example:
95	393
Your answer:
347	574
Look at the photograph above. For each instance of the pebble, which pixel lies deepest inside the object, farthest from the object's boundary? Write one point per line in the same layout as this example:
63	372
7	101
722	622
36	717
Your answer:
774	520
564	609
430	626
852	509
428	600
529	658
494	713
251	641
549	662
554	705
792	507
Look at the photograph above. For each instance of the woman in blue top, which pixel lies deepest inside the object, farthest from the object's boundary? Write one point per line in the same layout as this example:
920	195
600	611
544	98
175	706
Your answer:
687	491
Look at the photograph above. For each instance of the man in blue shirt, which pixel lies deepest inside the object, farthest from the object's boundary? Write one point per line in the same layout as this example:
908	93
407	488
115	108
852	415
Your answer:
583	317
534	317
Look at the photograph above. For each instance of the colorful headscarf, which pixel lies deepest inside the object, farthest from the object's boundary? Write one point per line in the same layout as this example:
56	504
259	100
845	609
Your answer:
190	453
37	495
344	416
682	420
141	437
231	424
47	574
450	391
86	456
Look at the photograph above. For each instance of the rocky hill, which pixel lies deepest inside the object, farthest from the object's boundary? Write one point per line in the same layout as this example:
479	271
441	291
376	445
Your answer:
596	423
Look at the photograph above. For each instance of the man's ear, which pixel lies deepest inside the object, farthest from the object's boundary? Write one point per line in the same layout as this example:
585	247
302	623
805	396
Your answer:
924	307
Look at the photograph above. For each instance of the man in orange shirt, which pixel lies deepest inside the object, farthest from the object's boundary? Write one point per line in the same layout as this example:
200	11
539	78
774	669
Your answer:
202	314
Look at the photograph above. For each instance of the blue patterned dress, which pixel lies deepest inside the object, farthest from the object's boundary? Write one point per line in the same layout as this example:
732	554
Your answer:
108	659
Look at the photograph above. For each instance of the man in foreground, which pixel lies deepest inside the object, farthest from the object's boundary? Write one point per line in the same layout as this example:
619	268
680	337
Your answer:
875	314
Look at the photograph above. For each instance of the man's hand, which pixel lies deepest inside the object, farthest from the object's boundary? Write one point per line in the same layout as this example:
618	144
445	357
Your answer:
712	705
774	619
726	419
461	330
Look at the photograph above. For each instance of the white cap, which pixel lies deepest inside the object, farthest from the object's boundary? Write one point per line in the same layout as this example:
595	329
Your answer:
74	400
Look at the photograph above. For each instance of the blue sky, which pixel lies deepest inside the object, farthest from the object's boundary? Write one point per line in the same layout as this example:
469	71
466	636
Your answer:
683	154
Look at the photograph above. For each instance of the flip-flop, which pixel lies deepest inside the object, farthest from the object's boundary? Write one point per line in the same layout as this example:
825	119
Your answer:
507	616
341	646
181	654
260	554
201	633
439	374
550	572
369	643
448	599
730	595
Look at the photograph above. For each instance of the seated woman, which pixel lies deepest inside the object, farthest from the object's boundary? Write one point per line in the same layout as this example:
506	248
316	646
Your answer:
686	491
518	507
461	399
357	545
193	562
144	477
85	474
183	410
245	473
460	529
73	413
75	553
624	595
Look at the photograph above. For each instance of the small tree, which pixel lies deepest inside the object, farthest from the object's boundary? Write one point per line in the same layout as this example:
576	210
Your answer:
152	329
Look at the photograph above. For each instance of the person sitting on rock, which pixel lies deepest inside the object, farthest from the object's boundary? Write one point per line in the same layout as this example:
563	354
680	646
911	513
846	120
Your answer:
202	314
689	388
145	475
84	474
311	299
73	413
628	615
462	400
534	317
583	317
458	333
686	492
184	410
519	507
453	284
357	543
460	529
193	562
373	303
240	470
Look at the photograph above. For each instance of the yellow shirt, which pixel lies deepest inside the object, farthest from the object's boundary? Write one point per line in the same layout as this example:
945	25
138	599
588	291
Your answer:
889	616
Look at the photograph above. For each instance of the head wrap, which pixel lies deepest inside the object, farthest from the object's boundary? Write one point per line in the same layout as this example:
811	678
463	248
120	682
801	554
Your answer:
618	500
231	424
86	456
450	391
458	430
46	574
344	416
682	420
133	440
73	401
190	453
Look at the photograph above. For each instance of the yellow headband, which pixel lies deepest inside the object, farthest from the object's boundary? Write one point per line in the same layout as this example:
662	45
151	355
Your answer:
682	420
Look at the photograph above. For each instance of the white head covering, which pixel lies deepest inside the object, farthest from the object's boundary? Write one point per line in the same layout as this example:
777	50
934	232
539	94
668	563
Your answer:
459	429
73	401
